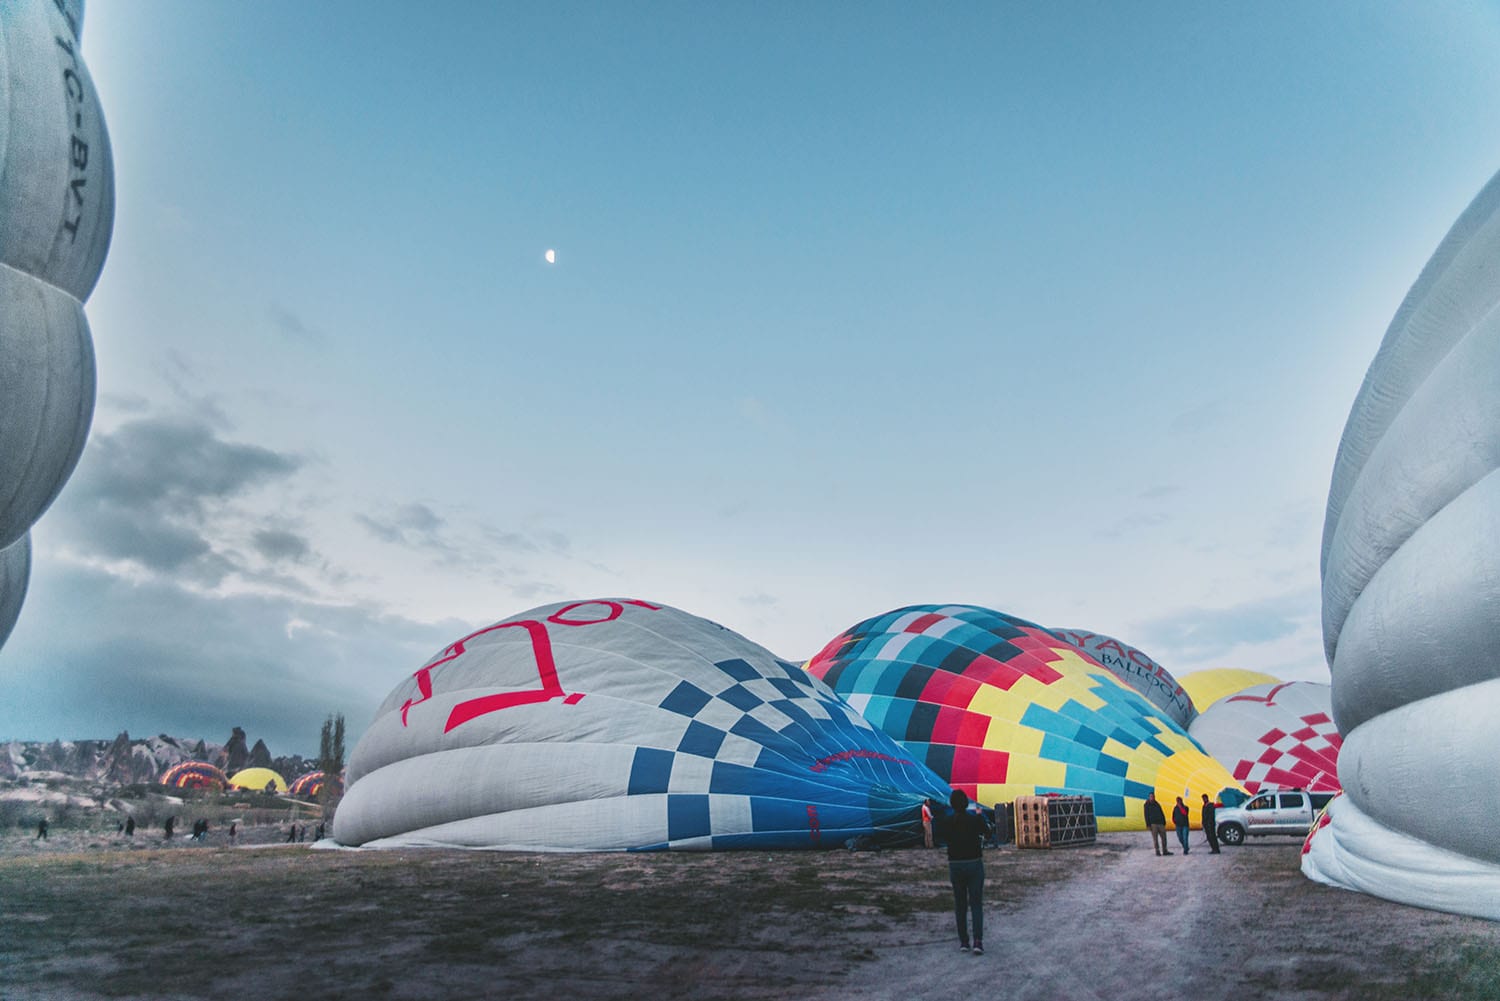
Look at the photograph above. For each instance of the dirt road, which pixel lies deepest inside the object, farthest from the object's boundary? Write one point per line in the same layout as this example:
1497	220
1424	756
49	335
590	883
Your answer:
85	918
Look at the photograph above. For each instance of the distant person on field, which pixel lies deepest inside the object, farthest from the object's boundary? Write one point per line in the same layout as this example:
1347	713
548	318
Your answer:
927	822
318	836
1210	814
130	827
291	834
964	832
1156	823
168	827
41	829
1181	822
233	830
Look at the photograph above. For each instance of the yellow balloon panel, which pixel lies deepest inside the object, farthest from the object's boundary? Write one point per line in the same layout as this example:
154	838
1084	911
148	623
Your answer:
1207	687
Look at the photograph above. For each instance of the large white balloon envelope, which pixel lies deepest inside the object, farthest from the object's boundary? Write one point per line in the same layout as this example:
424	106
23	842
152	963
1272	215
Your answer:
1411	593
619	724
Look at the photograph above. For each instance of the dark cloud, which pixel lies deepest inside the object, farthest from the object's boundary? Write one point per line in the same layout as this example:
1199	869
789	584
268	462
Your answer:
80	664
1198	634
151	492
278	545
415	526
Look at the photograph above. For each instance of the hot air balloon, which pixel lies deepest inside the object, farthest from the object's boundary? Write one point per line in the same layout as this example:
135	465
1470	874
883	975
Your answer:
1277	736
258	780
193	775
56	215
1411	593
15	570
310	784
1000	708
1207	687
619	724
1136	669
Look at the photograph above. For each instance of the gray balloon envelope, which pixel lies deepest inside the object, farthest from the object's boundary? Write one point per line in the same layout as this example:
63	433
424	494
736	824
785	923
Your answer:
46	396
15	570
57	198
1411	593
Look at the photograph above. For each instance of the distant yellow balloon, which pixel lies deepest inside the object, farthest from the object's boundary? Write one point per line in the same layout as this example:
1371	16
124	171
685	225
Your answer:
551	256
258	780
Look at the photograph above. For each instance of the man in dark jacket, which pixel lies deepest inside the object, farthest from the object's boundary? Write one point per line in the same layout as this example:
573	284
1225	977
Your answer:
1210	824
1156	823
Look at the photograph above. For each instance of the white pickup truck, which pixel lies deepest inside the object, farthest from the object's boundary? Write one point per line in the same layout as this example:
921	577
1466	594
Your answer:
1278	811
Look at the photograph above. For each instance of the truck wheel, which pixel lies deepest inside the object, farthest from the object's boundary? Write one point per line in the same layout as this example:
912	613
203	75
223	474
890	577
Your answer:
1231	834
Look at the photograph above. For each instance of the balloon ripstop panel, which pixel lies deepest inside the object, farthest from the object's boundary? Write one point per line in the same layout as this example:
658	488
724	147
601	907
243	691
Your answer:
620	724
1001	708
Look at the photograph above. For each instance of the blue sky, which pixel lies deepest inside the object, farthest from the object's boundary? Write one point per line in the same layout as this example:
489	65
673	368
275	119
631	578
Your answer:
1057	309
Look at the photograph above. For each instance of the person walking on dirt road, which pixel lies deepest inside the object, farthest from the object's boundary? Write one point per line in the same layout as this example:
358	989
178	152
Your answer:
1156	823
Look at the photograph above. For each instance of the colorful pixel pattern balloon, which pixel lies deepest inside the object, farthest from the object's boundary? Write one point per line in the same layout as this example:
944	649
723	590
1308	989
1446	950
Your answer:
619	724
1000	708
1278	736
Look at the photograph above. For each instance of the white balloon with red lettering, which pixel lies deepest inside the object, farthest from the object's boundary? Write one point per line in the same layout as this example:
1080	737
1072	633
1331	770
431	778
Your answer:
1135	669
619	724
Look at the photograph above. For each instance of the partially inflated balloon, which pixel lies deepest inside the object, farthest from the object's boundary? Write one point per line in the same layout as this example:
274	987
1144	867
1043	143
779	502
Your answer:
258	780
194	775
1136	669
1411	593
310	784
1002	708
619	724
1278	736
15	570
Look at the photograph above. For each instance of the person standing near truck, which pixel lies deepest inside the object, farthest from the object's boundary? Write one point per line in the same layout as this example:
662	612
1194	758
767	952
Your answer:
1156	823
1210	824
1181	822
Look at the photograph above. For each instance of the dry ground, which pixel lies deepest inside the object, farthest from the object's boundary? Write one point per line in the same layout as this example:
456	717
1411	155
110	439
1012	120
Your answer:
91	916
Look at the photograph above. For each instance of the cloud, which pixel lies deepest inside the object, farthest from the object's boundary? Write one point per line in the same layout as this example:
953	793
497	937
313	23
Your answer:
292	326
1130	524
758	600
158	492
274	664
1205	418
1200	634
278	545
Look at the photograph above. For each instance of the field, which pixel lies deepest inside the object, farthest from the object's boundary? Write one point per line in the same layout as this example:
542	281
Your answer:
93	916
